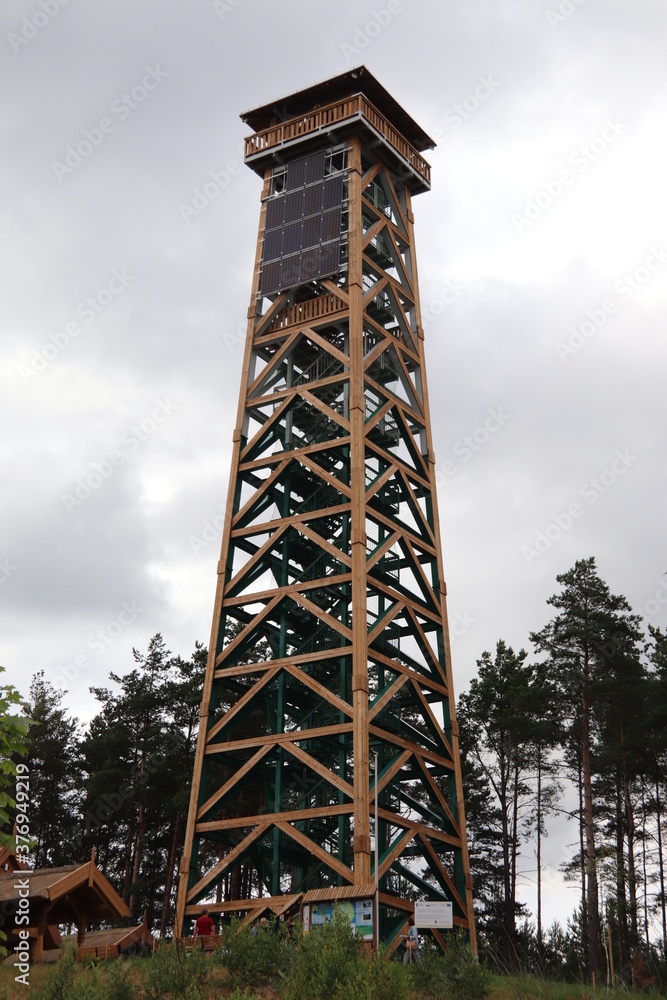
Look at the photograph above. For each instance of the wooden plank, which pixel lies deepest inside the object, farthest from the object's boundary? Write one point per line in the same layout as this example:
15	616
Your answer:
288	816
258	618
396	851
250	668
290	590
430	831
295	736
303	518
444	874
295	454
324	772
323	616
269	481
390	693
259	554
328	859
229	859
328	411
433	785
320	541
239	705
318	688
398	741
228	785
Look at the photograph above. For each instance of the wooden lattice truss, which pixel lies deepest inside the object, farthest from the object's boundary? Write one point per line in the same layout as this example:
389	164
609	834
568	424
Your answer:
330	634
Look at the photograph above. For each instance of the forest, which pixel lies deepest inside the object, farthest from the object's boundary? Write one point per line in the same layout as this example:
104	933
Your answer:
576	728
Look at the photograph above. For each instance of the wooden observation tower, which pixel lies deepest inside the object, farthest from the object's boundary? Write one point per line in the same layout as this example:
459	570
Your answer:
329	643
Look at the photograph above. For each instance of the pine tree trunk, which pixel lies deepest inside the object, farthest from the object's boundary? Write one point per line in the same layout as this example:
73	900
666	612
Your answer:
630	828
621	909
584	887
661	866
170	875
540	944
591	868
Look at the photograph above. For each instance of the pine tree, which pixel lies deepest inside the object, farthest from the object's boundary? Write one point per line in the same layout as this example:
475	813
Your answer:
592	628
497	738
54	776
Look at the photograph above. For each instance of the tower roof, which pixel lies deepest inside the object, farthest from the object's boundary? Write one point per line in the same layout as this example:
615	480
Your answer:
354	81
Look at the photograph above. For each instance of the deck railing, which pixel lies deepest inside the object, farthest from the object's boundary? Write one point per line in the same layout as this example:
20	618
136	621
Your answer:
333	114
305	312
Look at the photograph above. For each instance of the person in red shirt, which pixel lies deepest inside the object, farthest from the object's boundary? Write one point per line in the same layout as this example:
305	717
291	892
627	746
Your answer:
204	926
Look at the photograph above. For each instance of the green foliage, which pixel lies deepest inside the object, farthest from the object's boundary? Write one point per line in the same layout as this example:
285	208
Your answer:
172	973
70	980
255	955
59	984
117	984
456	974
246	995
330	964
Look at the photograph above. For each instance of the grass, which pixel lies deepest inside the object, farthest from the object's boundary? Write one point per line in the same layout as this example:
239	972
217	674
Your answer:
502	987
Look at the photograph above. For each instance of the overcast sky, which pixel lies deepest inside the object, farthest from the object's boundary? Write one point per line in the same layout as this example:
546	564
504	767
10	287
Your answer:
127	267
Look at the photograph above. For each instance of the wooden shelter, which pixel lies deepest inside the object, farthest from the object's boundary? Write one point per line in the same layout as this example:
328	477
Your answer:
38	900
330	640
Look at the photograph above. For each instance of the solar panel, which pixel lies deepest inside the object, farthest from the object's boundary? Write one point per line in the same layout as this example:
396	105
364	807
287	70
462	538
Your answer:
303	224
331	225
290	271
313	199
296	173
333	191
315	166
312	229
273	244
271	277
292	237
275	212
310	264
329	258
294	206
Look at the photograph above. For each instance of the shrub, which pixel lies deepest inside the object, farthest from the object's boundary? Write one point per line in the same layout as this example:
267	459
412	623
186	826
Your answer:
59	983
456	973
117	984
172	973
254	956
326	963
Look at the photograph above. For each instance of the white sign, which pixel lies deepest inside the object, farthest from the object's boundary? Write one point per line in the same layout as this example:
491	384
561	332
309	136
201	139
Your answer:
430	914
